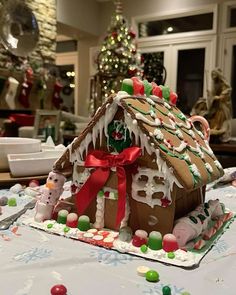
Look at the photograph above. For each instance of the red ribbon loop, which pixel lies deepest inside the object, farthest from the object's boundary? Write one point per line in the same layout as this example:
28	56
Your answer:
103	161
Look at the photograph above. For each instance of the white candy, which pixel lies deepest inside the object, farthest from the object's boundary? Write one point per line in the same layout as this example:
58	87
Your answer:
109	240
142	270
88	235
16	188
98	238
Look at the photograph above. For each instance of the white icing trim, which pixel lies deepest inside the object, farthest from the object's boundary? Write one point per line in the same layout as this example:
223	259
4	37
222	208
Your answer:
99	216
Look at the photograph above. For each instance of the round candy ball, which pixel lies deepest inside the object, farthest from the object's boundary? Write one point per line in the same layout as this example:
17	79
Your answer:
34	183
152	276
58	290
3	201
12	202
144	248
166	290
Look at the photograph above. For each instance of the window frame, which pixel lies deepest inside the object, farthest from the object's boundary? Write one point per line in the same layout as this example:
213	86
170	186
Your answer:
176	14
226	9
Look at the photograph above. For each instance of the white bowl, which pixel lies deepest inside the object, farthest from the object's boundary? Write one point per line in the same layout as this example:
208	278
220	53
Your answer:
32	164
16	145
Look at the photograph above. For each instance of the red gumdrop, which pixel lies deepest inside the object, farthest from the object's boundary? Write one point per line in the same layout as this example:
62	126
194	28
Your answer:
138	242
156	90
138	86
139	238
58	290
173	97
169	243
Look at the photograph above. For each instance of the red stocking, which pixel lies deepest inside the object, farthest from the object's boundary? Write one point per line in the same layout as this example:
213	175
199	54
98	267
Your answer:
26	89
56	100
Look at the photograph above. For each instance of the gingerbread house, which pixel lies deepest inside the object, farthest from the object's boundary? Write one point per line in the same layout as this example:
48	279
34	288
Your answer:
140	162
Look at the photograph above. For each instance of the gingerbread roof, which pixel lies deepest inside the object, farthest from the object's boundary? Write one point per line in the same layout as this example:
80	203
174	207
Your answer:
159	128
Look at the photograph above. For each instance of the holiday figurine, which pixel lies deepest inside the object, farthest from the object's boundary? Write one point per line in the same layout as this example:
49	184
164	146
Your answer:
26	88
11	92
49	197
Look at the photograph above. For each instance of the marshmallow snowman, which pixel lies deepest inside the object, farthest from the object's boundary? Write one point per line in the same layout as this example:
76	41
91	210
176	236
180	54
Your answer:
49	197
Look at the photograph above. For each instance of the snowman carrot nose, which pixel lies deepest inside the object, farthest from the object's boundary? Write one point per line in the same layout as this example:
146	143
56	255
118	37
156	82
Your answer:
50	185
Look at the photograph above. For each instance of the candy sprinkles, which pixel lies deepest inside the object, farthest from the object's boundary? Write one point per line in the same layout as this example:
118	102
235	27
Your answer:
139	163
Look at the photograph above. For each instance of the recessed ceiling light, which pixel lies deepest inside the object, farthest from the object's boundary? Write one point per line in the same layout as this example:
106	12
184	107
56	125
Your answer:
170	29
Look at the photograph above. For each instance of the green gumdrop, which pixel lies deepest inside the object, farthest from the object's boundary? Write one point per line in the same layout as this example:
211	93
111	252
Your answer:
147	87
165	92
127	86
166	290
84	223
11	202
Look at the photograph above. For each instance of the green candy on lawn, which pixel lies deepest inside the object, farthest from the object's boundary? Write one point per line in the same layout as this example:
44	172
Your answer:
152	276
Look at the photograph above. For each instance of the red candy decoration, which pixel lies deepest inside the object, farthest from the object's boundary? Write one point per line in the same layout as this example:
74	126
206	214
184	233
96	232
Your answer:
139	238
138	86
132	34
169	243
34	183
72	220
58	290
156	90
173	97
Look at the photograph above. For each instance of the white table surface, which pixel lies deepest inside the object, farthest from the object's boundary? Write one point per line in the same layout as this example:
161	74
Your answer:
32	261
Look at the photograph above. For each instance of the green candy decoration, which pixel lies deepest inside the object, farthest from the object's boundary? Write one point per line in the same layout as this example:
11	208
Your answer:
62	216
165	92
119	137
100	194
147	87
144	248
127	86
152	276
50	225
171	255
66	229
185	293
12	202
84	223
166	290
155	240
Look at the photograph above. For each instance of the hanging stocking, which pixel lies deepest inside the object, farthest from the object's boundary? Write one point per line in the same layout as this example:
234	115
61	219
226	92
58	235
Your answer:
11	92
56	99
26	89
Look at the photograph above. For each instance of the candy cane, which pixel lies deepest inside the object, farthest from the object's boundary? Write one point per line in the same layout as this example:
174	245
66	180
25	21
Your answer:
199	244
218	224
209	233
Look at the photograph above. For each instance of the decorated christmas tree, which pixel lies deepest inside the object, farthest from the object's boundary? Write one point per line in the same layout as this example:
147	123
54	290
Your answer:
117	59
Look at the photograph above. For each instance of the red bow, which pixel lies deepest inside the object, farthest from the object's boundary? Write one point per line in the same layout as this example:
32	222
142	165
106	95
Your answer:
103	161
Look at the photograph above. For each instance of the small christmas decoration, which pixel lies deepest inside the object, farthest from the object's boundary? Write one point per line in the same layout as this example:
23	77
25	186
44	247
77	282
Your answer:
56	99
119	137
26	88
